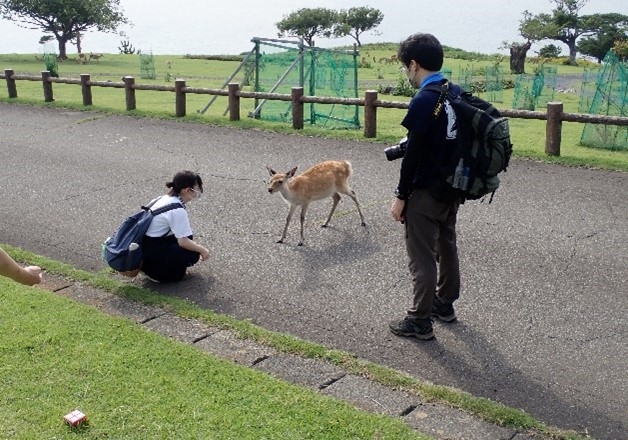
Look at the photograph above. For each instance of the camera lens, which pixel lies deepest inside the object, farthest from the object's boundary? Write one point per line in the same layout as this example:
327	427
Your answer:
396	151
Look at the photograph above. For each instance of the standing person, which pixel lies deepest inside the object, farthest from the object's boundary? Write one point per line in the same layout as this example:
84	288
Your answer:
28	275
429	217
168	246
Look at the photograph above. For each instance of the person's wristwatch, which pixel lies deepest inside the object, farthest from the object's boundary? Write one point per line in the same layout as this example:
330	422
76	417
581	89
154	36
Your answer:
399	195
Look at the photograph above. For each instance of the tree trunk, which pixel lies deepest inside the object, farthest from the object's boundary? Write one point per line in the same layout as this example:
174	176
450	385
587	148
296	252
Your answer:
62	52
572	53
518	57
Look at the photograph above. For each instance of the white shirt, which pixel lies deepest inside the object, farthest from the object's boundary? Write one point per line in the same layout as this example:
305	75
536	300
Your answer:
175	221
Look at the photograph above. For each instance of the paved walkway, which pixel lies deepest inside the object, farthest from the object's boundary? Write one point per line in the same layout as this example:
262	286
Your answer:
542	317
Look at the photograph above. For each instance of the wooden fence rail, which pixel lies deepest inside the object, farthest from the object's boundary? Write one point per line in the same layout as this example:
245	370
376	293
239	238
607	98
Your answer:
554	114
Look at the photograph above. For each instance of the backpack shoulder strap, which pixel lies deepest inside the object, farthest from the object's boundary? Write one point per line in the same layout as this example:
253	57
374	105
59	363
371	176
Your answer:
151	203
167	208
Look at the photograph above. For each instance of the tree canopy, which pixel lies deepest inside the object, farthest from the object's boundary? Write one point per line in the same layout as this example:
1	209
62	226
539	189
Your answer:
65	19
621	50
564	24
597	46
355	21
308	23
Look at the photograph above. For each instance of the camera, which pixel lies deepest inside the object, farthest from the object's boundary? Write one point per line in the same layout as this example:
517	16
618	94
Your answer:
397	151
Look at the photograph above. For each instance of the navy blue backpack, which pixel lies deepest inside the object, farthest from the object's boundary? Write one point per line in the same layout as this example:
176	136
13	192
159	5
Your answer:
123	250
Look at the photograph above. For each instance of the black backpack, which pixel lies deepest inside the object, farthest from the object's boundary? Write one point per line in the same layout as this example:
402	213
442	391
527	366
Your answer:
123	250
482	151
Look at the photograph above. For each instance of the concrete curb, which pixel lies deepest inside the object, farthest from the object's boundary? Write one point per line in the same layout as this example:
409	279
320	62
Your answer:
437	420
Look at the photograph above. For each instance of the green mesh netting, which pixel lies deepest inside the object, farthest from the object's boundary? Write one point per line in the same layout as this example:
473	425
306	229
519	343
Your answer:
588	87
494	84
147	66
527	89
548	88
276	66
610	98
465	78
532	91
482	79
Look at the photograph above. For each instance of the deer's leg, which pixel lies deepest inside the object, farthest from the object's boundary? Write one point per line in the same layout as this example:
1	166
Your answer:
355	199
285	229
336	198
351	193
303	211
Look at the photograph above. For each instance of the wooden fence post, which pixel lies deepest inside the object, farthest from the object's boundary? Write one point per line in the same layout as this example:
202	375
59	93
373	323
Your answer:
234	102
86	88
553	128
179	99
11	87
370	114
297	108
45	76
129	82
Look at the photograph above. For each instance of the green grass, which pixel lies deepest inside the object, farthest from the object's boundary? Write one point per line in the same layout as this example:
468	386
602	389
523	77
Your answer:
42	357
135	384
528	135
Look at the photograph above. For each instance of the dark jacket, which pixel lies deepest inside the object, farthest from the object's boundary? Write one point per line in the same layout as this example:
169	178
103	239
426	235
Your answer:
430	142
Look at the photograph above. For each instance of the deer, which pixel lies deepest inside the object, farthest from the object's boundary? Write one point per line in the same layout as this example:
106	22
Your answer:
326	179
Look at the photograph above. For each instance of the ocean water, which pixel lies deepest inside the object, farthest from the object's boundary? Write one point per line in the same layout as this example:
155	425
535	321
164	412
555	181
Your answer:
211	27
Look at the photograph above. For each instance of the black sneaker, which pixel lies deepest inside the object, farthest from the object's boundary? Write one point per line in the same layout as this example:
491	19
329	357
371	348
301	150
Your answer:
444	312
410	327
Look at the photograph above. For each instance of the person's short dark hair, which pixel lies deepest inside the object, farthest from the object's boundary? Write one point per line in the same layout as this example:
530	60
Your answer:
425	49
184	179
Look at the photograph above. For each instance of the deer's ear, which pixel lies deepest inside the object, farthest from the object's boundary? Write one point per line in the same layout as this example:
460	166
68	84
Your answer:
271	171
291	172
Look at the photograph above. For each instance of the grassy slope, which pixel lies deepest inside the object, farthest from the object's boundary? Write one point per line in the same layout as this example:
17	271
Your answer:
135	384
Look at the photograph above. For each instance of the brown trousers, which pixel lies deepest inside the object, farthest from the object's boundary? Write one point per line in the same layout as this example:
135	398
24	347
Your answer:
431	246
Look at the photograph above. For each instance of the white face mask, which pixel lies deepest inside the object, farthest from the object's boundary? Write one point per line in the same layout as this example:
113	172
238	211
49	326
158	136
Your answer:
409	76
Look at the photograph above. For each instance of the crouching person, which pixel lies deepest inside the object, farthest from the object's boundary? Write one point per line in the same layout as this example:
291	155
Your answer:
168	246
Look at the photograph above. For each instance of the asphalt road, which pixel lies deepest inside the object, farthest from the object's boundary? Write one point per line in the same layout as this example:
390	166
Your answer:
543	312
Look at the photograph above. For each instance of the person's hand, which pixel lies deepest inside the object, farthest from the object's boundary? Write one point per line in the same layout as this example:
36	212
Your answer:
397	208
204	254
34	275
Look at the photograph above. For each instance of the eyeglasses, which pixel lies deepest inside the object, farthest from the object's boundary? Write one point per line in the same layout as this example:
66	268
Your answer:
200	193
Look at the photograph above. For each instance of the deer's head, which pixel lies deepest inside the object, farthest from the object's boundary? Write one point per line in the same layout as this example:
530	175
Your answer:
278	180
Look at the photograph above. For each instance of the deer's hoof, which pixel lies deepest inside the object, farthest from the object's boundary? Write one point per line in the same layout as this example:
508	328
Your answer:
280	241
300	244
363	223
324	226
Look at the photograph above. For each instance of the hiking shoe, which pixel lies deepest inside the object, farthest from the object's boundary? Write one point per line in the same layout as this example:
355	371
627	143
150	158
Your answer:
444	312
410	327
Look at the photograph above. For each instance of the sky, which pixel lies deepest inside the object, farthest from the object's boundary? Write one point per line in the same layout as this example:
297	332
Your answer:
210	27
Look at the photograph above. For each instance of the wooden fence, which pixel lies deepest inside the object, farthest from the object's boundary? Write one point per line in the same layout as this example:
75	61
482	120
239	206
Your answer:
554	114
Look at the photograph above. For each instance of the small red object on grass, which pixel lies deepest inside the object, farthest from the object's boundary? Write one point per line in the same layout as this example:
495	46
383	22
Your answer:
75	418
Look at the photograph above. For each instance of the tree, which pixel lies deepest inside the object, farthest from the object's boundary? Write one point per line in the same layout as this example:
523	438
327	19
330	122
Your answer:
65	19
621	50
550	51
598	45
518	53
355	21
564	24
308	23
